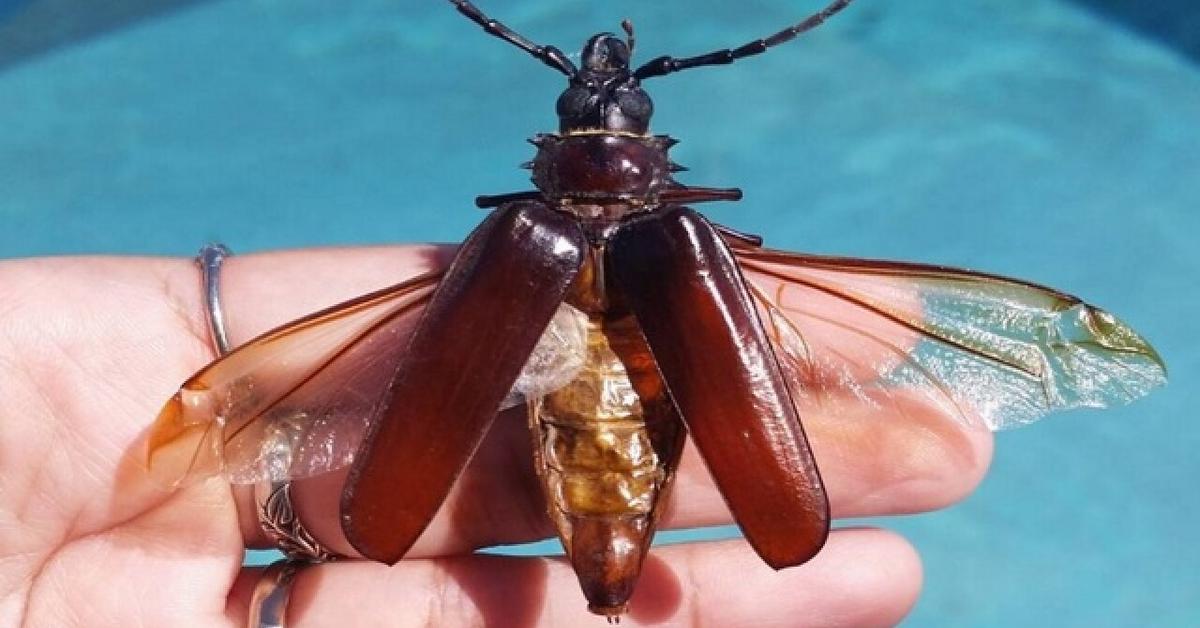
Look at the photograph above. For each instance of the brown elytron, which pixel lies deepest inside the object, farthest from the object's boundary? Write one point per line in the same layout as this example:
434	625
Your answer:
619	316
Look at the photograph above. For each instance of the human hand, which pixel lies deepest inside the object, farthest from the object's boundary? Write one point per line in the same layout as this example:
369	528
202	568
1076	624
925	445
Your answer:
90	348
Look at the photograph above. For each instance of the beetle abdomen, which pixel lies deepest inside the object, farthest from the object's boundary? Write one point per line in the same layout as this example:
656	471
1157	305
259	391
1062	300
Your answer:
605	458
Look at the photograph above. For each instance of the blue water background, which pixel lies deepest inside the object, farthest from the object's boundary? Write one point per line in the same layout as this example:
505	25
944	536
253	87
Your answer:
1052	140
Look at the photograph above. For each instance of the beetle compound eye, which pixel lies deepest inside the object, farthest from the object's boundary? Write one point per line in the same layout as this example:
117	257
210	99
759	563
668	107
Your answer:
635	103
573	102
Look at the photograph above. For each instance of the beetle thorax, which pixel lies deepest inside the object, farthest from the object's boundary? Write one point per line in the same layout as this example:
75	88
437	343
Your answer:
595	167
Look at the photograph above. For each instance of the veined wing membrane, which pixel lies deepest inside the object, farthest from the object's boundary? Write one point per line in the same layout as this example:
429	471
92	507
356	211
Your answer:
981	349
295	401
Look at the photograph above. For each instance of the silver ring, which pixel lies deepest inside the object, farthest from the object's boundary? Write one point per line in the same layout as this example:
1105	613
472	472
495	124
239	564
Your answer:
209	259
273	500
269	602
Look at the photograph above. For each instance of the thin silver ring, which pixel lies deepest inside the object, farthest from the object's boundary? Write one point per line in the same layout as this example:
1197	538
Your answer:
209	259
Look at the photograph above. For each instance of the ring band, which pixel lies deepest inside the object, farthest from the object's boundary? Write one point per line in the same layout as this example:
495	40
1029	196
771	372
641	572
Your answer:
280	523
269	602
209	259
273	500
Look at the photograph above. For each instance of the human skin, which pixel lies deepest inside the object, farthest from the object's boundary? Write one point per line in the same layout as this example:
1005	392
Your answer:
90	348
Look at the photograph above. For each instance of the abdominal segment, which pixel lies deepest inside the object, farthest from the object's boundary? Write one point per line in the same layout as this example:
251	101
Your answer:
606	447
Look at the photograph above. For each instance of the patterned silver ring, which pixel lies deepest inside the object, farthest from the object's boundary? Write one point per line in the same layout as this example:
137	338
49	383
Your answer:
280	523
273	500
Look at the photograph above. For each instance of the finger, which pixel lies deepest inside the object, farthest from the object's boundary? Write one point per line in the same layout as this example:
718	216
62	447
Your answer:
872	464
863	577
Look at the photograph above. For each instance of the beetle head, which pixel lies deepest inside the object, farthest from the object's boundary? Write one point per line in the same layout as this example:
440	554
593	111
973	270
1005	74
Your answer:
604	95
606	53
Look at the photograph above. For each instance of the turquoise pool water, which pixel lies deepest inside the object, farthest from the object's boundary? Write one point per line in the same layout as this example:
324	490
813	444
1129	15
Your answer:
1052	140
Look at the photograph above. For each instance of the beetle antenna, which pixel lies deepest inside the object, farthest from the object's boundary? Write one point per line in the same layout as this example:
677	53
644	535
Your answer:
549	55
667	64
627	26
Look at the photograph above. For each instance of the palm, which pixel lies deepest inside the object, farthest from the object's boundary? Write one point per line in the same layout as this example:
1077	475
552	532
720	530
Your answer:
90	348
87	351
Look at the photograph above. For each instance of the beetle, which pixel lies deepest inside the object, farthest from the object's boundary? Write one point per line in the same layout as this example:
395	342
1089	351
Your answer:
624	320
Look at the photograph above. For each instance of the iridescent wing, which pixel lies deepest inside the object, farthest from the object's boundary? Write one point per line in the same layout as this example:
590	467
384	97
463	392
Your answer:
296	401
860	335
293	402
